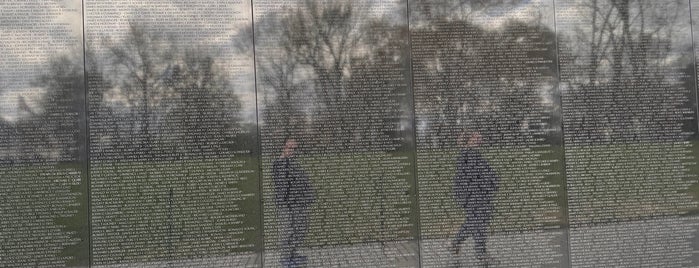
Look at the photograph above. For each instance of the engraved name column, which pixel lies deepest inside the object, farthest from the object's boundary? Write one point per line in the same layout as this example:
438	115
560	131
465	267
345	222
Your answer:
43	188
629	108
489	146
173	136
336	132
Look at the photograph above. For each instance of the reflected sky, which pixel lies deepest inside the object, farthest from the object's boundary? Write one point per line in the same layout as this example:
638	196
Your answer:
210	26
27	43
31	41
527	11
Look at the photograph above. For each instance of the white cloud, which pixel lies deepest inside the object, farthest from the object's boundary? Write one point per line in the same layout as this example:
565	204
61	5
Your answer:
9	101
203	24
32	32
531	10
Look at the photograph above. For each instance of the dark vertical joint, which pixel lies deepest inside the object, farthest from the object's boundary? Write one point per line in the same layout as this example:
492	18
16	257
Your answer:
566	217
86	157
414	147
259	141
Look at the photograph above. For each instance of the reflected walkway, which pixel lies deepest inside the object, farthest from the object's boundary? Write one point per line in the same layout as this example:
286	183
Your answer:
666	242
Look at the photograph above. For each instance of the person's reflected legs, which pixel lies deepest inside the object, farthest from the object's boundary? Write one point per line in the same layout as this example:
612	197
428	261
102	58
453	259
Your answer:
294	222
464	232
453	263
299	227
286	236
475	225
480	218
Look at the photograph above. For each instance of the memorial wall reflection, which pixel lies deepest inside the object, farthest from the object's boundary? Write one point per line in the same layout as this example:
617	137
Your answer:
316	133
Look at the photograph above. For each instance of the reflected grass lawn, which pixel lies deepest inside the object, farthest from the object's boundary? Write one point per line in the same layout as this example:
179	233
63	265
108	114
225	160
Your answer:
605	183
203	208
531	194
360	198
174	210
44	215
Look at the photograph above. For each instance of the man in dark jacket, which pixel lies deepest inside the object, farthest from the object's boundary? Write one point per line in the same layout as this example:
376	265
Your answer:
475	184
293	195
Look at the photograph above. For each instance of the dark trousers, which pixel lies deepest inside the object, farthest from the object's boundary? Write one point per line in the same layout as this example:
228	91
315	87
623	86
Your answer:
476	225
293	225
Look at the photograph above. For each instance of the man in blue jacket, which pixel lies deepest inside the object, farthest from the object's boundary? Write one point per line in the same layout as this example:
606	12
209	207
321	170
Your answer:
475	185
293	195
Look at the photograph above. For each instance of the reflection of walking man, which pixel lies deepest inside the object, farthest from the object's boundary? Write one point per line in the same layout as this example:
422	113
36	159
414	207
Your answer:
293	195
475	184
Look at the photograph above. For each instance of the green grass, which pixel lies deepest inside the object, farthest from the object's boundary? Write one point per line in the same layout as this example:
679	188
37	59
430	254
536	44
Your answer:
44	215
632	181
530	196
174	210
360	198
605	183
214	208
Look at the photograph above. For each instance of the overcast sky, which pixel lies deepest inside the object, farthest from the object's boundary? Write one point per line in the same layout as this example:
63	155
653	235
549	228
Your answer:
32	31
205	24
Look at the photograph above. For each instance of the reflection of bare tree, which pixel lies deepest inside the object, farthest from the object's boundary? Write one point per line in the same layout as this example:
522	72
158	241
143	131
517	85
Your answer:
139	64
51	130
205	109
626	51
330	54
468	75
324	37
181	97
41	153
166	112
627	34
459	9
278	72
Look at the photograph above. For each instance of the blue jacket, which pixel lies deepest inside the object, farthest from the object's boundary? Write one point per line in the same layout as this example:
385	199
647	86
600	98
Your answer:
292	187
475	182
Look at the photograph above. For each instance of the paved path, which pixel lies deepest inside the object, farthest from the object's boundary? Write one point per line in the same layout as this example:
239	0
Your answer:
389	254
666	242
245	260
521	249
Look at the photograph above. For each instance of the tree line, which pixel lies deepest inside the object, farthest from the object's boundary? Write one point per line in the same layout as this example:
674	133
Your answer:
343	80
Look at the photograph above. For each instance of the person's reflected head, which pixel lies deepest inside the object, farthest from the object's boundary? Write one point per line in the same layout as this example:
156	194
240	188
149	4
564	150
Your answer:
290	146
470	139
